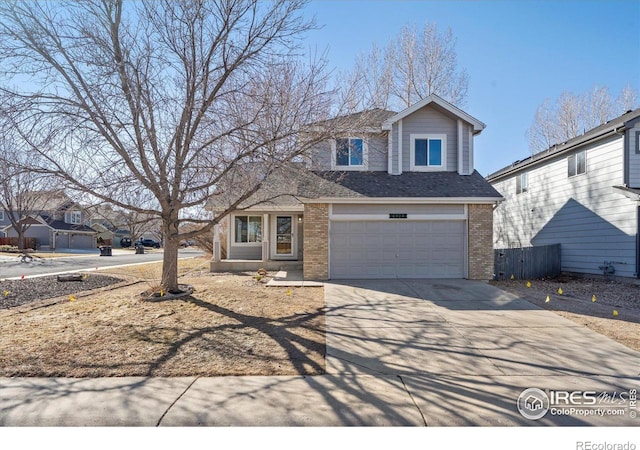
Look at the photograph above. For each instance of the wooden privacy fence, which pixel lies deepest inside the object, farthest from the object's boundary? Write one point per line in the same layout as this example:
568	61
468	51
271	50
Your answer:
527	262
28	242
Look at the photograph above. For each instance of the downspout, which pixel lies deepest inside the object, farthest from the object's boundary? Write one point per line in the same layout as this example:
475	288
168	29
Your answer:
626	149
638	241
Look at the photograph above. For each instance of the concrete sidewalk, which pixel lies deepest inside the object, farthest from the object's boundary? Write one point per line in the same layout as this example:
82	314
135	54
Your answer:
399	353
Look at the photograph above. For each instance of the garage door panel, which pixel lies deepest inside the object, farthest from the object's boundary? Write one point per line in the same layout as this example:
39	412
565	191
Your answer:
409	249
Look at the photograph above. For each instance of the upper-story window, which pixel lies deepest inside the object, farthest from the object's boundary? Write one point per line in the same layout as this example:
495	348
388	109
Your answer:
1	215
75	217
637	142
349	153
428	152
577	164
522	183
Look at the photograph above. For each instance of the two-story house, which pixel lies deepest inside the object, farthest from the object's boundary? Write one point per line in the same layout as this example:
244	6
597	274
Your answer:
393	195
55	222
583	194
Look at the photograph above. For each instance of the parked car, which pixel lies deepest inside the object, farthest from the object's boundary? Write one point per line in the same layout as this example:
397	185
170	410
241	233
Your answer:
187	243
148	243
125	242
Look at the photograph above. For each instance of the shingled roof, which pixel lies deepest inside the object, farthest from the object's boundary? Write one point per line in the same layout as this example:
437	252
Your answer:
371	119
331	184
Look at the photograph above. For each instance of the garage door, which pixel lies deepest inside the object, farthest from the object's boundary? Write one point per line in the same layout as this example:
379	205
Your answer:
418	249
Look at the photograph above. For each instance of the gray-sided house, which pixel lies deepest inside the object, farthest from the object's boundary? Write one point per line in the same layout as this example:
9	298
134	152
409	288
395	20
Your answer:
56	222
583	194
393	195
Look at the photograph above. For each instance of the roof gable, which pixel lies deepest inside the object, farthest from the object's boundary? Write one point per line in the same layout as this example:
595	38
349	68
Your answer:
453	110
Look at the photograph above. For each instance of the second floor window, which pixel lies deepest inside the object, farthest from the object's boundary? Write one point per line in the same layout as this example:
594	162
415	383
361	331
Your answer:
75	217
428	152
522	183
577	164
349	152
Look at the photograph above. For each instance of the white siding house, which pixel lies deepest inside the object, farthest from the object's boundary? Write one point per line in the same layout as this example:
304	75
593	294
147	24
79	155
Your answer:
582	194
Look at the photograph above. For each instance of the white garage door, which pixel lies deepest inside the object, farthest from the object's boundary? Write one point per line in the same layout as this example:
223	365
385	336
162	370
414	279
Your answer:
407	249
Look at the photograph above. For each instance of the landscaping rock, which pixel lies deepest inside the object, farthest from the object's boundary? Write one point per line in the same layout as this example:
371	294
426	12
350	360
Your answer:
19	292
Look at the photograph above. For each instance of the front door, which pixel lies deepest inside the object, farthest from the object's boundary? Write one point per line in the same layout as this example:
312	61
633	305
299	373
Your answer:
284	242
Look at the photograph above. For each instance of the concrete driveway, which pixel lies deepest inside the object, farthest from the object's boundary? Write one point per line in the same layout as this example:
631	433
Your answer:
399	353
464	350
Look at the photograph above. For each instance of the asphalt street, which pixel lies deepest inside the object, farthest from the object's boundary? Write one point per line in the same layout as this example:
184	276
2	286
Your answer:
12	267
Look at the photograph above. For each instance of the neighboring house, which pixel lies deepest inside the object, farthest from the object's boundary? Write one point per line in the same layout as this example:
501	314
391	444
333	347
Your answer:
57	223
108	225
583	194
394	195
112	225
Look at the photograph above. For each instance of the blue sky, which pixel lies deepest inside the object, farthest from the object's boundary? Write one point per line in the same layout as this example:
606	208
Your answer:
517	53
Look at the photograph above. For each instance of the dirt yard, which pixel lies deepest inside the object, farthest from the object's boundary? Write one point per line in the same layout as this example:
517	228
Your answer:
607	307
230	325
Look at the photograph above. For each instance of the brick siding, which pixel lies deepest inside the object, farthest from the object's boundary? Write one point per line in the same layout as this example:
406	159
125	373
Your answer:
316	242
480	242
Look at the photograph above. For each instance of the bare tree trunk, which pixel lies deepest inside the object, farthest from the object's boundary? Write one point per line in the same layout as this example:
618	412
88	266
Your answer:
20	238
170	259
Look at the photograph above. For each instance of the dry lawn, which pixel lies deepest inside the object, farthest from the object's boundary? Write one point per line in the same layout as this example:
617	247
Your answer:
230	325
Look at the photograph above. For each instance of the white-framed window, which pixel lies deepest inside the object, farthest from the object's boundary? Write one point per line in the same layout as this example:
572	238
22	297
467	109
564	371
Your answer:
428	152
75	217
247	229
522	183
577	164
1	215
349	153
637	142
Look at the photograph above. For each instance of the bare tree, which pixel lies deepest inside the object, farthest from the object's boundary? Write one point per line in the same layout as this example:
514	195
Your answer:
368	85
138	224
574	114
627	100
23	194
412	66
571	115
162	97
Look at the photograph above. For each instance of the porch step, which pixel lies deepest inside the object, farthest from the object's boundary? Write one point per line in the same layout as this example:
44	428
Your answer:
245	265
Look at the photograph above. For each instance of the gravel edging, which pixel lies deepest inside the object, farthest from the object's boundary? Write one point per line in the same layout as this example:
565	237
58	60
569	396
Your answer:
577	295
44	291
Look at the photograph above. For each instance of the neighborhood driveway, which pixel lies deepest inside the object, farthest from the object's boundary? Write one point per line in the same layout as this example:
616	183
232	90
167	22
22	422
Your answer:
465	350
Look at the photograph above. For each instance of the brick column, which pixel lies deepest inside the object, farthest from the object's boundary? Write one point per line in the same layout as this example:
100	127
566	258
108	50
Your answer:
480	222
316	241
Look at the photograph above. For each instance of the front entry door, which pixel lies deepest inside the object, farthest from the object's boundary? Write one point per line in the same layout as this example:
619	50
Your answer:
284	242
